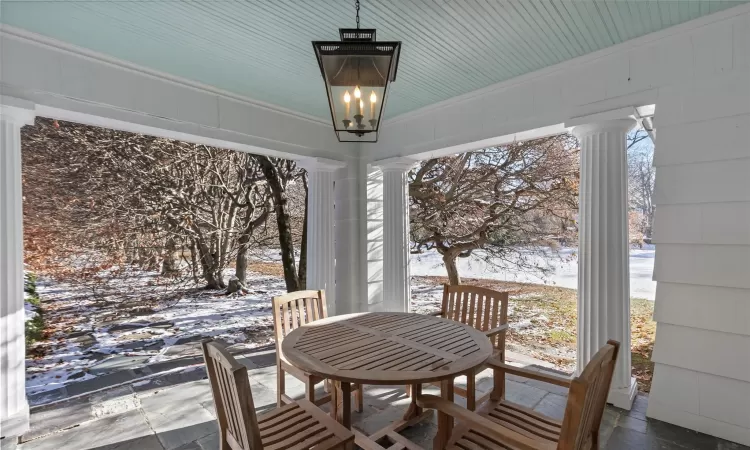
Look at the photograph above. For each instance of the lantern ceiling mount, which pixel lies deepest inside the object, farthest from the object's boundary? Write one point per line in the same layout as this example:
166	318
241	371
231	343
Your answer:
357	72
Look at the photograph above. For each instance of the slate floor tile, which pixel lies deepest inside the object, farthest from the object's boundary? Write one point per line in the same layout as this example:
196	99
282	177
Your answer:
128	430
681	436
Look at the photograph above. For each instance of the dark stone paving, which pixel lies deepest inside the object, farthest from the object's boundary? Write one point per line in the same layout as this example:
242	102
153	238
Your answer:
175	412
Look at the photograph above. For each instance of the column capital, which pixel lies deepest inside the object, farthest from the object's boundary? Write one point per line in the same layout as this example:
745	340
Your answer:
315	164
616	125
401	164
17	111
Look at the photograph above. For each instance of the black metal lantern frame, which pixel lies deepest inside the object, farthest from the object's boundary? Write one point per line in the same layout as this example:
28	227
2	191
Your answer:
357	72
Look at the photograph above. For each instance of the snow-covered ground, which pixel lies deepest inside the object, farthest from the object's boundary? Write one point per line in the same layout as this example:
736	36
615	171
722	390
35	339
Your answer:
564	264
91	331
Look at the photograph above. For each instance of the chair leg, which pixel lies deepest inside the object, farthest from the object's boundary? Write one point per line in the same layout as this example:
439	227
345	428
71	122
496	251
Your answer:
223	444
498	385
408	390
280	386
359	398
471	391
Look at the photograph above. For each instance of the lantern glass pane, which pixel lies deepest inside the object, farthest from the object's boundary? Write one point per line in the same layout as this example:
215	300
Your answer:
343	74
356	115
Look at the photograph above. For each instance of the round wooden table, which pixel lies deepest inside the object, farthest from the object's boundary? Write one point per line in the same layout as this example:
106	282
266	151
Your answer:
386	349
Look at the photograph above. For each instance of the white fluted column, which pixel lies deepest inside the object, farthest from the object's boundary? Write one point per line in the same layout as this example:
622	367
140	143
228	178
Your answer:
14	410
396	275
603	251
321	258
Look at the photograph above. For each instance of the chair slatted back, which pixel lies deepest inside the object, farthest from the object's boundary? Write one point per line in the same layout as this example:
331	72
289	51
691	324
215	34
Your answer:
233	399
586	400
481	308
292	310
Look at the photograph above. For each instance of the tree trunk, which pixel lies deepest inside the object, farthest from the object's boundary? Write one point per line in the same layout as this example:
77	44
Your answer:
240	269
449	259
169	262
194	261
243	243
211	269
303	244
281	208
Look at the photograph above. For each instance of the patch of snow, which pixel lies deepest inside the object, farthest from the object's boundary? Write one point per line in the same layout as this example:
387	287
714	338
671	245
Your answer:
564	267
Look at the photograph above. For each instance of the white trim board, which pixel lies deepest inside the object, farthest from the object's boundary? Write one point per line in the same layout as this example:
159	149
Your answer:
577	62
44	41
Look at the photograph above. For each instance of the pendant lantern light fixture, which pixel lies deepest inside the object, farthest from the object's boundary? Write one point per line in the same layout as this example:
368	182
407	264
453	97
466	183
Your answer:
357	72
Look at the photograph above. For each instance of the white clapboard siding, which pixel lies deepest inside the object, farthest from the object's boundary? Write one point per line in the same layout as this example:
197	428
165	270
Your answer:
718	353
719	139
705	307
704	223
708	182
708	265
702	236
700	401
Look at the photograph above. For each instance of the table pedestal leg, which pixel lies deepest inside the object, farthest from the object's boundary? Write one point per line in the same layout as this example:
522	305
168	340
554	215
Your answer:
445	422
414	409
341	403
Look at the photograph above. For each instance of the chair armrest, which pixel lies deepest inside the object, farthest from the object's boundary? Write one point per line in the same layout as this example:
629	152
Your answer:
436	313
526	373
494	331
479	423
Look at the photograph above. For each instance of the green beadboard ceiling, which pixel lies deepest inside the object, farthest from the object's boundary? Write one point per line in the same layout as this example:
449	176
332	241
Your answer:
261	48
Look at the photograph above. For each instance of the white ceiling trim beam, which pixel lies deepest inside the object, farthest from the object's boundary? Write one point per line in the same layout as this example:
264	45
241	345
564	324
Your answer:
70	83
576	62
636	72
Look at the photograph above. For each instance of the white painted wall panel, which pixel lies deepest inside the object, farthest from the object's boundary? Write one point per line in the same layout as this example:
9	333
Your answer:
706	307
42	72
711	396
716	181
723	354
724	399
662	407
712	50
741	41
715	140
703	223
678	384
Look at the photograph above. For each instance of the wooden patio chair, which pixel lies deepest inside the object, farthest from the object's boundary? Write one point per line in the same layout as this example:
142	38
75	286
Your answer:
487	311
500	424
296	426
291	311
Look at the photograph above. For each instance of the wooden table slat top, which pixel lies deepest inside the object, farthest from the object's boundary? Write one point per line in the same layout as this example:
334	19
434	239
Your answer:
386	348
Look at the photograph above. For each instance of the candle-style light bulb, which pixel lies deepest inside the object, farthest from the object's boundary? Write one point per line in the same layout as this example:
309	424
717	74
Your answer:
347	99
373	99
357	92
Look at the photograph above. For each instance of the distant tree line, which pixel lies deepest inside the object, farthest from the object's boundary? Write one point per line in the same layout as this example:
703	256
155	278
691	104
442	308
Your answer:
181	208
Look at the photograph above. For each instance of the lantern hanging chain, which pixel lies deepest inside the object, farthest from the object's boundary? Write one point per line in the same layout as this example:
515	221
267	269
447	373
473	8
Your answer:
356	4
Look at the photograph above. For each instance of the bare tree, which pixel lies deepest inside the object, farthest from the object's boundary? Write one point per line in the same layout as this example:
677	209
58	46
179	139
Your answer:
142	200
493	199
641	178
279	173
